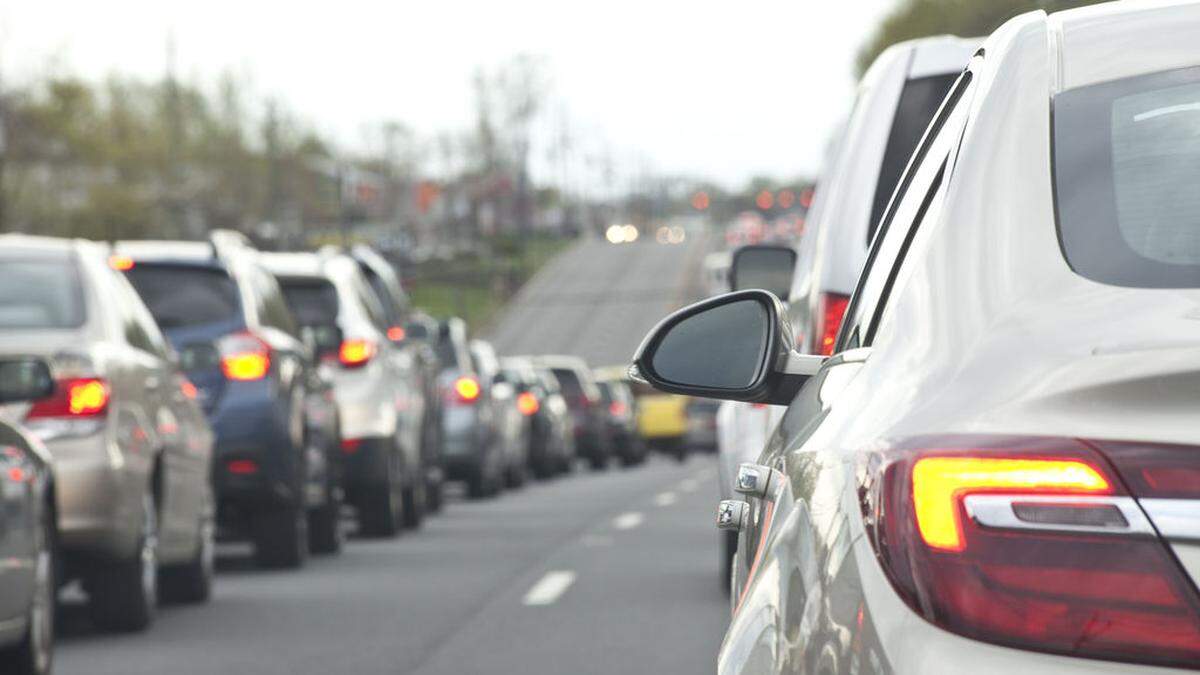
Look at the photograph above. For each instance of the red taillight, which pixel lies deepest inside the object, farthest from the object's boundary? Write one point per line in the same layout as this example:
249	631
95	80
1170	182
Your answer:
351	445
827	321
242	467
396	333
617	408
244	357
1033	543
527	403
466	389
74	397
356	353
121	263
188	390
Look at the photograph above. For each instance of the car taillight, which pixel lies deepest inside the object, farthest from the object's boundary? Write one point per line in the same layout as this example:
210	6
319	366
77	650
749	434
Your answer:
396	333
617	409
465	389
244	357
827	321
75	398
356	353
1032	543
527	403
121	263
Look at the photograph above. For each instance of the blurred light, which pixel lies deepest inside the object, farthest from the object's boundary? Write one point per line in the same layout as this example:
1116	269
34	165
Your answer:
806	197
242	467
351	445
615	234
120	263
527	403
662	235
764	200
631	233
395	333
87	397
676	235
467	388
355	353
189	390
700	201
786	199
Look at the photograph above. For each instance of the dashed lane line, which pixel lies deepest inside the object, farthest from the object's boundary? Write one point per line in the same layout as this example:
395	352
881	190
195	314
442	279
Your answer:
549	588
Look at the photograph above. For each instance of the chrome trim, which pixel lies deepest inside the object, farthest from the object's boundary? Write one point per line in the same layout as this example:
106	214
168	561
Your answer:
733	514
1174	518
996	511
754	480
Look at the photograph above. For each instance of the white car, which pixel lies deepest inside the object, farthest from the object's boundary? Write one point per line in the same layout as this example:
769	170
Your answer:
996	470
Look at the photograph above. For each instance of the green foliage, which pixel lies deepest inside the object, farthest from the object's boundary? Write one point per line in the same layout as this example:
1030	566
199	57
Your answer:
966	18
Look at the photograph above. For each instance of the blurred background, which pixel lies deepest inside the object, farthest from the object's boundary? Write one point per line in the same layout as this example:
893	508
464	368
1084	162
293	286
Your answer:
468	141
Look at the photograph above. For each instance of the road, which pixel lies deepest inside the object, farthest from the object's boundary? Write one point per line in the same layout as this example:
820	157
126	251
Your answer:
597	300
593	573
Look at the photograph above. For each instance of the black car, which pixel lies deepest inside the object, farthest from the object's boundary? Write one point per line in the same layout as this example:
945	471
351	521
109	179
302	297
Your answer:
620	416
28	530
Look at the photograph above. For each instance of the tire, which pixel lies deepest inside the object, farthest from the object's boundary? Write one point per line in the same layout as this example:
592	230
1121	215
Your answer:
192	582
123	594
34	654
414	504
381	511
598	463
325	534
516	476
281	537
434	496
484	486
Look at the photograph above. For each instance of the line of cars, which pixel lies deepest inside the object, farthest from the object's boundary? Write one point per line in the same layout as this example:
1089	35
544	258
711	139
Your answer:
157	397
991	464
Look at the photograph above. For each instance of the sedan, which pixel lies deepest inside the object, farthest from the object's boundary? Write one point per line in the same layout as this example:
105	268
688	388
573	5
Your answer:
995	470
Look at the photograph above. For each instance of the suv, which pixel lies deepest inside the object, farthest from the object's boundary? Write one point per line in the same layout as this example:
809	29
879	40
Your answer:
401	319
242	348
579	389
511	432
376	386
130	445
473	452
538	399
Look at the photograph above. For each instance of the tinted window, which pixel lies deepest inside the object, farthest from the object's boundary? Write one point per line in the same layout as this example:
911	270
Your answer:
1127	166
606	394
273	307
314	302
40	292
919	101
568	383
447	353
186	296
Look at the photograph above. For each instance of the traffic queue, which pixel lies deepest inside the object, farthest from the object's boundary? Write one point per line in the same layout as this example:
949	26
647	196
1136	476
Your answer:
159	397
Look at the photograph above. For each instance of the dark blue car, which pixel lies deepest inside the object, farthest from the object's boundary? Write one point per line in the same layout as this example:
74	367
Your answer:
274	474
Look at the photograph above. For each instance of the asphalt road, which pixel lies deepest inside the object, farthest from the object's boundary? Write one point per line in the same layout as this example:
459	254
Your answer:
597	300
593	573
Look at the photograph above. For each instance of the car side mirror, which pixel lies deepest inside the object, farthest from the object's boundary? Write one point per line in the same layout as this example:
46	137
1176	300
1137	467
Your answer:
767	267
24	380
736	347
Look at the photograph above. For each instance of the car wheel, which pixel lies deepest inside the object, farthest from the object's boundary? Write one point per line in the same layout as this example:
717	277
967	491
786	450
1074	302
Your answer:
414	503
598	462
122	595
281	537
434	496
192	582
516	476
325	535
381	511
34	654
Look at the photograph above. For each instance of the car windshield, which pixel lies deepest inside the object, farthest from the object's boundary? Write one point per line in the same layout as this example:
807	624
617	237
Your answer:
39	291
313	301
179	295
918	102
1127	166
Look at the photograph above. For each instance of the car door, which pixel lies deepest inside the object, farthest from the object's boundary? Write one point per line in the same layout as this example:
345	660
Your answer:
794	601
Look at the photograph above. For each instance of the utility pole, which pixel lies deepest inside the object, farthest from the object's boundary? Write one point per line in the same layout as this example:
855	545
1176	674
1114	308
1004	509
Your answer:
174	123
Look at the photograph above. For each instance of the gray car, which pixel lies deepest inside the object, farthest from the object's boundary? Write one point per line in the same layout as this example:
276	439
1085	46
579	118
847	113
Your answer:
28	530
130	443
995	470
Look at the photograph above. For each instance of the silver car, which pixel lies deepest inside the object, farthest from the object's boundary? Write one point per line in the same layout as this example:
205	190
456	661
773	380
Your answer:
376	386
995	471
130	444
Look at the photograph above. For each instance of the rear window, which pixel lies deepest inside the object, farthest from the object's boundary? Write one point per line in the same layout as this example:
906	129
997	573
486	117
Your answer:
180	296
40	292
606	392
314	302
568	382
447	353
1126	171
919	101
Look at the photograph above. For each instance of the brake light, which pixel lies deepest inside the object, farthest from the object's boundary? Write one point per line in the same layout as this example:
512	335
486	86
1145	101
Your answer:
355	353
396	333
527	403
189	390
120	263
351	445
827	321
617	409
1028	542
73	397
244	357
467	389
242	467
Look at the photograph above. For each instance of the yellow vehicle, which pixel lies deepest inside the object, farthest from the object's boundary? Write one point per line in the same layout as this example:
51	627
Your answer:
662	420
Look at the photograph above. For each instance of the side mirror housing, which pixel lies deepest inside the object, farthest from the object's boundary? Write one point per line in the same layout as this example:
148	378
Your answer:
769	268
24	380
735	347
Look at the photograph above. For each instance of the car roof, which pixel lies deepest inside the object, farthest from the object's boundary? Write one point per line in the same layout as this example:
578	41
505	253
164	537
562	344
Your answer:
561	362
50	244
1115	40
152	250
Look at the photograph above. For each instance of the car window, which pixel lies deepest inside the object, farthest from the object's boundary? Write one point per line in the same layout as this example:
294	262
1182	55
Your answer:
273	308
179	295
914	200
1126	169
392	306
919	102
138	325
40	291
370	302
314	302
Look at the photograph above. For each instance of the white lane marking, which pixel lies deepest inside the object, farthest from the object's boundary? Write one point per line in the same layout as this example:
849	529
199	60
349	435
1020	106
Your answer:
688	485
596	540
628	521
549	588
665	498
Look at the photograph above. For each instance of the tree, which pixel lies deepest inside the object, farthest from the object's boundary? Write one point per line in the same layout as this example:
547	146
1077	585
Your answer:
922	18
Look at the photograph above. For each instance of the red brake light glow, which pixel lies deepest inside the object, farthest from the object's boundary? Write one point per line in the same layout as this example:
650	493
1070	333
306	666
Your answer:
396	333
617	408
828	320
467	388
527	403
74	397
244	357
351	445
242	467
121	263
355	353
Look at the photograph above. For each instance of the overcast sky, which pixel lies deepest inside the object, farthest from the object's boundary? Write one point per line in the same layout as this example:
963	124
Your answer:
719	90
